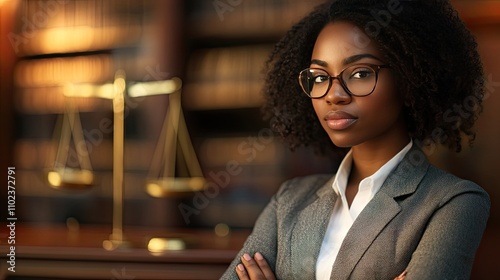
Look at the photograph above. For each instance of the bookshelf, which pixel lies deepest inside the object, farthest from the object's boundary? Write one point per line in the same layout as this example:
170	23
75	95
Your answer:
58	43
229	43
218	51
225	78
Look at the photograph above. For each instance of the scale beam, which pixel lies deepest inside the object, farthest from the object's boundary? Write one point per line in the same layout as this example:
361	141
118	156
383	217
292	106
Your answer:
134	89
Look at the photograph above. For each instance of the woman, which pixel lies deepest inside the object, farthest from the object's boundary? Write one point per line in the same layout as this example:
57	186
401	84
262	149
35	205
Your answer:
377	79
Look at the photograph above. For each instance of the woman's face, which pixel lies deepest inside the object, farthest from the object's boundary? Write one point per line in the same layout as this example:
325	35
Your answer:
350	120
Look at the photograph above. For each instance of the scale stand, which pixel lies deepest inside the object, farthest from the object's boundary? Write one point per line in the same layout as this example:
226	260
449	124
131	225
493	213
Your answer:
116	239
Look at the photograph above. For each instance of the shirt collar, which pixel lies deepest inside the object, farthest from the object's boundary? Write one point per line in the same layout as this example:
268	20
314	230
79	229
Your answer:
373	182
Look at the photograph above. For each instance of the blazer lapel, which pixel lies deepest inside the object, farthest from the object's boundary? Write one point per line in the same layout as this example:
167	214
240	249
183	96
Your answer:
308	232
379	211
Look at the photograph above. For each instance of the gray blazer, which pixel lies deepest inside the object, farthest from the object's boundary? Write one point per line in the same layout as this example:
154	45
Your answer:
422	220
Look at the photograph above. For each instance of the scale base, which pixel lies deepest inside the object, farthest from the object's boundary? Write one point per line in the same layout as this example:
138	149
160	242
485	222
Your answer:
115	244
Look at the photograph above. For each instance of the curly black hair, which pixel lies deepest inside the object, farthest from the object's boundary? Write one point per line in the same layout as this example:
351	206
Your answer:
432	53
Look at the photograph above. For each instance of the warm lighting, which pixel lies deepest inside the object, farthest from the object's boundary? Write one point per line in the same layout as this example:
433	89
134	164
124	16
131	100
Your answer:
50	72
81	38
54	178
105	91
155	87
68	177
158	245
65	39
222	230
171	186
119	84
111	245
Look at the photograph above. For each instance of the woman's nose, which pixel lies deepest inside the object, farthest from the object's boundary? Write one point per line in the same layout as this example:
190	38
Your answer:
337	94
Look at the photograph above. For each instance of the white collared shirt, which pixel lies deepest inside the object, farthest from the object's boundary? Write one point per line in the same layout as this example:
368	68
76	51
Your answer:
342	216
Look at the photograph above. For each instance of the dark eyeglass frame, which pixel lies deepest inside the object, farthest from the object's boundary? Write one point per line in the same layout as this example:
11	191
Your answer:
376	68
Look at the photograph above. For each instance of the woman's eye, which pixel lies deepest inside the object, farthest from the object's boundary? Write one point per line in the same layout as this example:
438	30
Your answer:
361	74
320	79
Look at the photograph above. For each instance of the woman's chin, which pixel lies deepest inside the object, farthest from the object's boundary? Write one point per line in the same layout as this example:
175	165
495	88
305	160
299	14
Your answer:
342	143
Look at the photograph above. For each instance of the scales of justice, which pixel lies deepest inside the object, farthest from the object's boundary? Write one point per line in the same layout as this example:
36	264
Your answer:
174	148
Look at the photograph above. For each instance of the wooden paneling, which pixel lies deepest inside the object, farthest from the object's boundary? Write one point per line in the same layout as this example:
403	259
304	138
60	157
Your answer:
60	252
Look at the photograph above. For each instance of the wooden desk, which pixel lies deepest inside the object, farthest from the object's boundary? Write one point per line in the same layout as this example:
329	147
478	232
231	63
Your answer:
54	252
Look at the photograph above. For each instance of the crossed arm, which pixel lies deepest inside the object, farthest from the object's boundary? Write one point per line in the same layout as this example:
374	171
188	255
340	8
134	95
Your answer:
256	268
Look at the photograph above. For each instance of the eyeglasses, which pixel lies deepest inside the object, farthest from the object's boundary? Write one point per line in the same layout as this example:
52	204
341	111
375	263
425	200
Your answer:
357	80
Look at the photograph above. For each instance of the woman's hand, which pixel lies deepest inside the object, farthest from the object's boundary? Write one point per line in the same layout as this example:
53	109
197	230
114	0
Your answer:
254	268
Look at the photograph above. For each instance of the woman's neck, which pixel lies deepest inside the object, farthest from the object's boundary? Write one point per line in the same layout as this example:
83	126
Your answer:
367	158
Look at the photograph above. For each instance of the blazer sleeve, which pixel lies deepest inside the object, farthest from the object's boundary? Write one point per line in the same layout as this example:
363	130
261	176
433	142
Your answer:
263	238
449	243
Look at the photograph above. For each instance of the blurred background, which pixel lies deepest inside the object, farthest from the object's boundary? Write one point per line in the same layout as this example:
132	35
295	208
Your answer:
217	48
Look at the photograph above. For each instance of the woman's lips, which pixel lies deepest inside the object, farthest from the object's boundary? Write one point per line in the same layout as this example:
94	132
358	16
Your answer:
339	120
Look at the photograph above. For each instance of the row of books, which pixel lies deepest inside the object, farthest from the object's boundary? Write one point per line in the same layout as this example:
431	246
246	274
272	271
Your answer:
51	100
41	84
48	27
221	78
242	19
262	149
34	183
47	85
246	157
39	154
